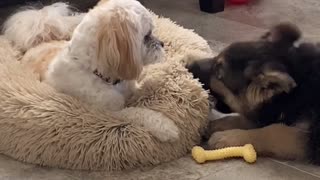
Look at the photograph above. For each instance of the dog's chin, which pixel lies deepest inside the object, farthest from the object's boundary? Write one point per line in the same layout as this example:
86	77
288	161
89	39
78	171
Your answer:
153	56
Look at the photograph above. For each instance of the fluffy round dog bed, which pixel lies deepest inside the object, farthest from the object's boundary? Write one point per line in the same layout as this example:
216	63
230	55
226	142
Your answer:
41	126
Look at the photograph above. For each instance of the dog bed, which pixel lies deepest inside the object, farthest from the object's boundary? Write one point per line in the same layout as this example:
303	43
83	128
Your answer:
41	126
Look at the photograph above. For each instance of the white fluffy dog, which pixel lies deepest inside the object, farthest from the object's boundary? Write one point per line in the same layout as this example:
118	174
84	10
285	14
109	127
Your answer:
113	41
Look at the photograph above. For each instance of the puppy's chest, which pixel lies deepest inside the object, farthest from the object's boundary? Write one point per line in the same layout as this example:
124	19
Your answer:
300	121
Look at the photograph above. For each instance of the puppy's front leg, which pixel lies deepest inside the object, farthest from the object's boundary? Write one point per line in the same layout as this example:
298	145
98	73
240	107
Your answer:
277	140
232	101
221	122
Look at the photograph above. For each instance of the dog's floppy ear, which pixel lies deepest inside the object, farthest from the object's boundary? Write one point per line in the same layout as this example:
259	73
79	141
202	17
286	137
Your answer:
118	52
270	81
284	34
277	81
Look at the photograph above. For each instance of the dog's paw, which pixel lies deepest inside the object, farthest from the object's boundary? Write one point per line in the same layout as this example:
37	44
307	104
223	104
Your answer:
162	127
166	132
127	88
235	137
156	123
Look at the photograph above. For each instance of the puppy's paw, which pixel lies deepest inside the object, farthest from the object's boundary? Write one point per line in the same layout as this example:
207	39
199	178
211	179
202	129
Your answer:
235	137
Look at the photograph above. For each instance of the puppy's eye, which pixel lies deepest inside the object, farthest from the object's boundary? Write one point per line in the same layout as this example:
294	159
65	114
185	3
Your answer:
220	74
219	71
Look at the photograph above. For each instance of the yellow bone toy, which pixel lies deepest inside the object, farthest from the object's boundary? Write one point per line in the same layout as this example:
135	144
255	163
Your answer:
247	152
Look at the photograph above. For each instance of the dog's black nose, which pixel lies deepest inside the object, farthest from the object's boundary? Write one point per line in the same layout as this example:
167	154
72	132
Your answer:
162	44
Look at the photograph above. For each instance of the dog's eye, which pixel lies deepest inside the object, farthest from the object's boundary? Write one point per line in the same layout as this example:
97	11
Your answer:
147	37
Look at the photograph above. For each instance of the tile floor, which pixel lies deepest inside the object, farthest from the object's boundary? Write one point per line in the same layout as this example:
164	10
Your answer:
236	23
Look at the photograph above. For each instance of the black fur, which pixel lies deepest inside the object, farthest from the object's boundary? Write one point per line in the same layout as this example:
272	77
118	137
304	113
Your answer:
201	73
244	61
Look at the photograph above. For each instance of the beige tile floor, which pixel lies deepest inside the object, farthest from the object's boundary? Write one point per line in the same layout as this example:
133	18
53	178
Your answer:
234	24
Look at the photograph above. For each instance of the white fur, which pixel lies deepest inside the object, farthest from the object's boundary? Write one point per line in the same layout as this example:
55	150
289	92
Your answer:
76	78
158	124
71	70
31	26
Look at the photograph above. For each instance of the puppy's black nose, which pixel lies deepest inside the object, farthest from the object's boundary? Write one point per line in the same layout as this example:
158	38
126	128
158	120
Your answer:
162	44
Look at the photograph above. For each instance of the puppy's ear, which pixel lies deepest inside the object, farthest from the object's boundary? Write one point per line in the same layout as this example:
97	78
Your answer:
277	81
268	83
283	34
118	52
200	66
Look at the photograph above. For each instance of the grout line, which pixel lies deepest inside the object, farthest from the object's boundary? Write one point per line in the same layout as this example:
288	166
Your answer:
293	167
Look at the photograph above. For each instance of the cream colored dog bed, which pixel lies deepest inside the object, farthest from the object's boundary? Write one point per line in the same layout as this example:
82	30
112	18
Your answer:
41	126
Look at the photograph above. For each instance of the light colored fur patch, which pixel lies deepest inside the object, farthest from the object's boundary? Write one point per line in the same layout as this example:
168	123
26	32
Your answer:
118	51
39	57
31	27
102	2
229	98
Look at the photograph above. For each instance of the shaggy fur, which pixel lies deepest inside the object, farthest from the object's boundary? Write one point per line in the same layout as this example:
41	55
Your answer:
176	49
30	26
7	52
41	126
274	84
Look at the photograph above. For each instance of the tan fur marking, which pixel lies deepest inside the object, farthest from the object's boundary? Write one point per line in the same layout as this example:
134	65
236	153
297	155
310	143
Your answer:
220	60
117	51
39	57
259	91
285	81
232	101
102	2
280	141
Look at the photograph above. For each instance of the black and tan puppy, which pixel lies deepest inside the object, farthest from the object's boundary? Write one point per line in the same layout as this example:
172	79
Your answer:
275	86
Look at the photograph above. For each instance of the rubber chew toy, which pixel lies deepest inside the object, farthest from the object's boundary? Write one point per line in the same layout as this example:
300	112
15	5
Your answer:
247	152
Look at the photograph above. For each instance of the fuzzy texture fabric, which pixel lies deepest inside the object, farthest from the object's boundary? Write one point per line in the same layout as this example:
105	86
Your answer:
180	43
41	126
